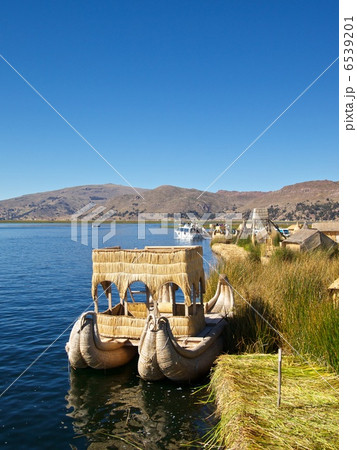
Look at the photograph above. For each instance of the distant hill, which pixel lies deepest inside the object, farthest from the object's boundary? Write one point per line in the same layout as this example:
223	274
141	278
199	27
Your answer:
59	204
311	200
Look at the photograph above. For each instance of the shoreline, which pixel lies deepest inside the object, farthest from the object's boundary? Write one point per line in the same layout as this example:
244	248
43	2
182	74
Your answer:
229	251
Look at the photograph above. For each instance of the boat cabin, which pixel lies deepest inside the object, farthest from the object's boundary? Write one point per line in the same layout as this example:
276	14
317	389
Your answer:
169	279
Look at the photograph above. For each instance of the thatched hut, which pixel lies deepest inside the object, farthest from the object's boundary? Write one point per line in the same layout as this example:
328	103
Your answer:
330	229
334	290
307	240
293	228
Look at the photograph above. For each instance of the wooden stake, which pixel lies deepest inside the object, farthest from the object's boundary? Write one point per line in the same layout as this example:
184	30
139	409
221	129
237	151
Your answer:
279	376
131	295
110	297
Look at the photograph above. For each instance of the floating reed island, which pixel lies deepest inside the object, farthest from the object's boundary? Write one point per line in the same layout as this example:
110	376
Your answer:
158	312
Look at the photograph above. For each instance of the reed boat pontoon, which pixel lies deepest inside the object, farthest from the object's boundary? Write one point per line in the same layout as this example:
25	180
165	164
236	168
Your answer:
177	335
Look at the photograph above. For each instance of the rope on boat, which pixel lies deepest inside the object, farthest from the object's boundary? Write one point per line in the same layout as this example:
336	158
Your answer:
167	341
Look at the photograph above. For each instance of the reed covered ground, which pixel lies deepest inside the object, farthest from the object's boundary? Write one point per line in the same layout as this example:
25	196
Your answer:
283	303
245	390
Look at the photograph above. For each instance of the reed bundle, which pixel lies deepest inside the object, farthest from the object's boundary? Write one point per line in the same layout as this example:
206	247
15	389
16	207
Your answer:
245	390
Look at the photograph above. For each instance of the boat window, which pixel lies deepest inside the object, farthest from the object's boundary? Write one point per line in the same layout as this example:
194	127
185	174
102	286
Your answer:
170	292
137	292
101	299
200	293
107	295
179	297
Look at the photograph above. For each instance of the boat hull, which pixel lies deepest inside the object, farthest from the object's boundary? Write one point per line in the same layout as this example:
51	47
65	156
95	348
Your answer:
148	366
86	349
188	367
169	359
178	347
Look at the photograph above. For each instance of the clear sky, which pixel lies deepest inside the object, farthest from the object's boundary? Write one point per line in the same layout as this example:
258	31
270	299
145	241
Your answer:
170	92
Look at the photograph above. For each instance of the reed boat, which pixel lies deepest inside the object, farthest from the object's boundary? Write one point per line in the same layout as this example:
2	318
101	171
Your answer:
177	335
188	355
132	281
223	230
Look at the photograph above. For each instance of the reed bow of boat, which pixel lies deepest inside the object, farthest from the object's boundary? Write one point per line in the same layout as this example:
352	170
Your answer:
223	300
148	366
185	358
189	358
86	348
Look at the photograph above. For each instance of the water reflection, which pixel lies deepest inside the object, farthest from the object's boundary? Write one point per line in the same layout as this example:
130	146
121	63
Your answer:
118	410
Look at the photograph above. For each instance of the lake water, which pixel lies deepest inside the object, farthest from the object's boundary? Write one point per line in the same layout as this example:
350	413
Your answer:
45	284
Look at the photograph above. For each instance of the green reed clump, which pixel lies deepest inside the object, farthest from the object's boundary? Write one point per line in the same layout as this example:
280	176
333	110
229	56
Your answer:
244	242
291	293
309	319
251	329
276	239
283	254
254	253
253	250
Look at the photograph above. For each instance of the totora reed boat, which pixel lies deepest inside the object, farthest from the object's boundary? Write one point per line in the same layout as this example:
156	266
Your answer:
160	314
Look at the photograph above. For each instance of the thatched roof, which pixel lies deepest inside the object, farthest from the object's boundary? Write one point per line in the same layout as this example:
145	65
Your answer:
300	236
260	214
326	226
153	266
335	285
294	227
309	239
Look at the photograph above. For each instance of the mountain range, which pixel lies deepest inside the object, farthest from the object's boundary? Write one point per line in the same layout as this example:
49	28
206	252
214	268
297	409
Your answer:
310	200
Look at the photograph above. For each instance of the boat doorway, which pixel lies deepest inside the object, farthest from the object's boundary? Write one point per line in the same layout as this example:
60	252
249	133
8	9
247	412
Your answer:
107	296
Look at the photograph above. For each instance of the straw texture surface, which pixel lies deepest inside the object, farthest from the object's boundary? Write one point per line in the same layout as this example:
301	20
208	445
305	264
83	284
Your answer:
153	266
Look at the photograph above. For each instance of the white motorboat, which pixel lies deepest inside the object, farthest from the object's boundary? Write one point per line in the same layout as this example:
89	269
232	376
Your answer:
191	232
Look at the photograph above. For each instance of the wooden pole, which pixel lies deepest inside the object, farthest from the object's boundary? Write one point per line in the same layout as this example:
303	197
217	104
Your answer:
193	300
95	299
110	297
131	295
147	297
126	303
279	377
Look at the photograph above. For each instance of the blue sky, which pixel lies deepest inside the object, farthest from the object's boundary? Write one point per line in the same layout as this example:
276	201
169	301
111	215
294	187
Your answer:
170	92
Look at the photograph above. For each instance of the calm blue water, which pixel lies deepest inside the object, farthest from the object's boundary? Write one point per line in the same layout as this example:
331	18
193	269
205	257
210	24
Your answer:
45	284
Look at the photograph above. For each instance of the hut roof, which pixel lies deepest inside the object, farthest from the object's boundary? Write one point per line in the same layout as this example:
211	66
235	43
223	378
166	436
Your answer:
335	285
294	227
260	214
300	236
310	239
326	226
153	266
